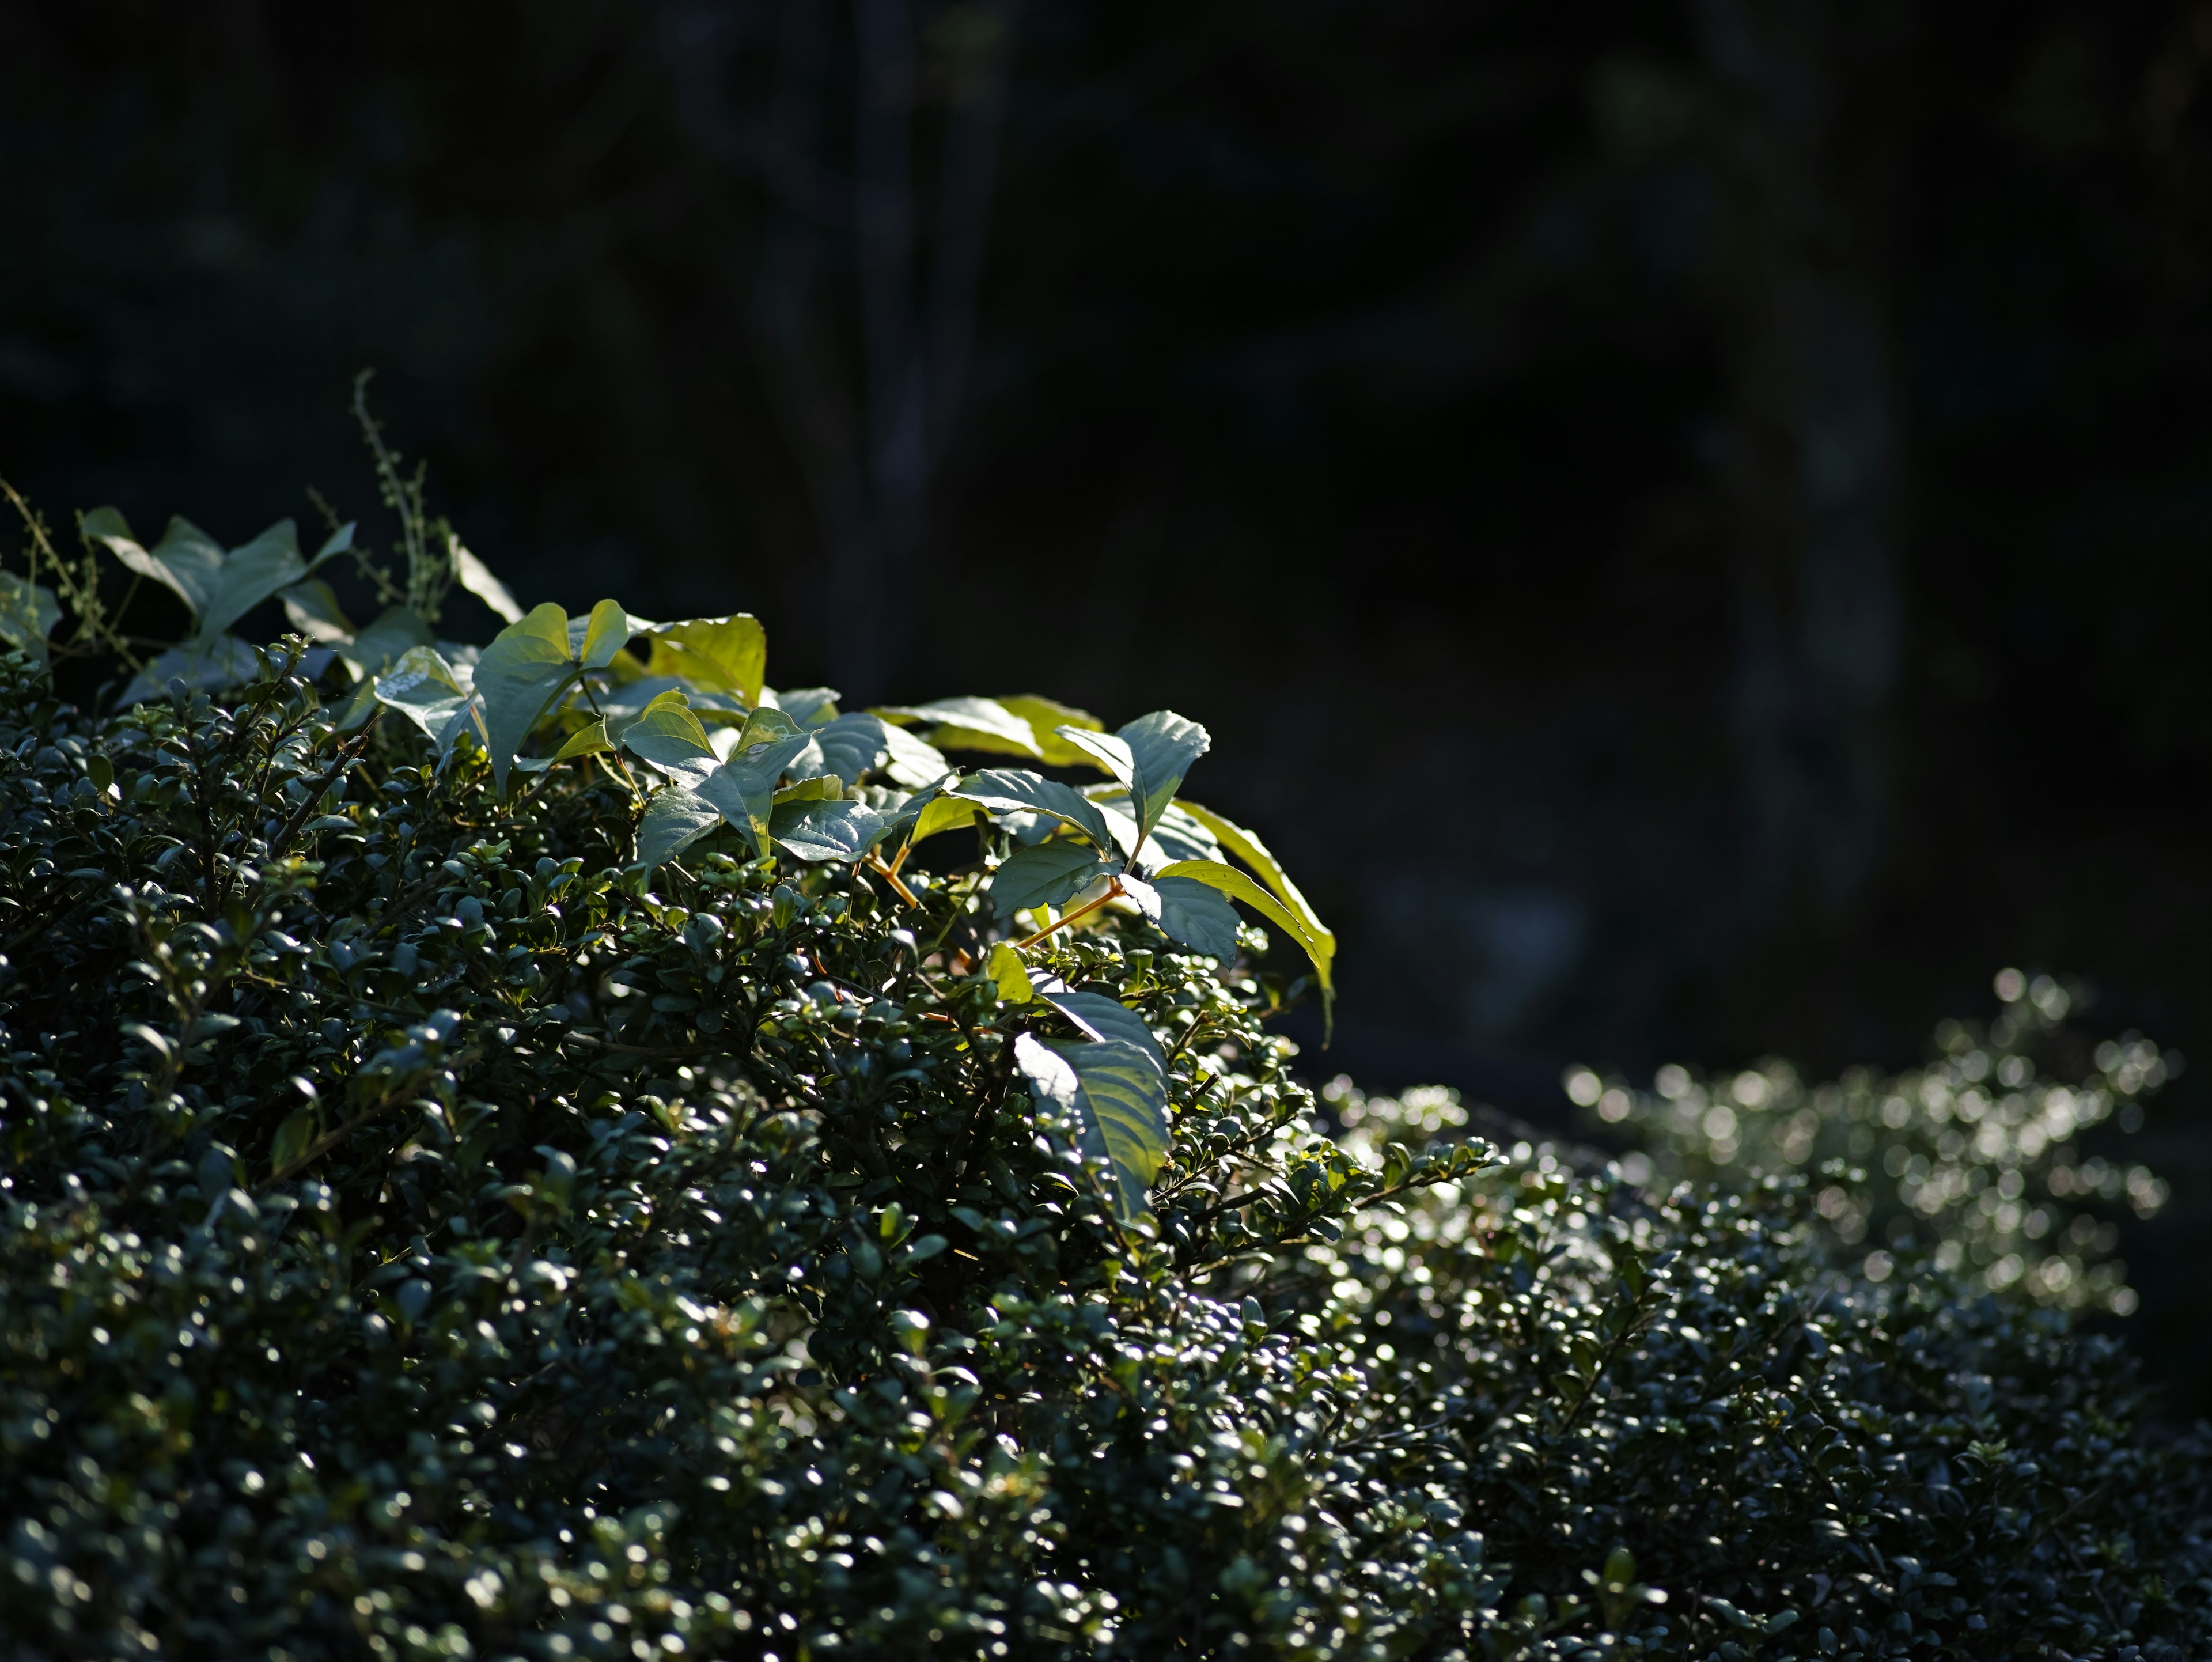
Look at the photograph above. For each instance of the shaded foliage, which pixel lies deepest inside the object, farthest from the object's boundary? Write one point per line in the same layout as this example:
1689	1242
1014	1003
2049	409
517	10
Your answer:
419	1237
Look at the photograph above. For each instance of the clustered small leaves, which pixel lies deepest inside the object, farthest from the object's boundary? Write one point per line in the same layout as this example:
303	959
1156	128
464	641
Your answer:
569	1152
1983	1161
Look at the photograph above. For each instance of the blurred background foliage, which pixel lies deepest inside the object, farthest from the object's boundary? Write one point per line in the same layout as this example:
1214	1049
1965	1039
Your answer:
1728	482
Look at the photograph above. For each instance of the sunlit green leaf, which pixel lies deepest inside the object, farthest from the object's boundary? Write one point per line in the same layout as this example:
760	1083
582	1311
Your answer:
828	829
744	787
521	671
1018	790
422	687
1101	1017
585	741
726	654
912	762
606	632
667	734
1320	945
1006	970
970	724
186	561
1045	716
476	577
1247	846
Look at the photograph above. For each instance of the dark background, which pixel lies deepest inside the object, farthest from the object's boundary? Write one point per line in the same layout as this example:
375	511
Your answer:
1688	521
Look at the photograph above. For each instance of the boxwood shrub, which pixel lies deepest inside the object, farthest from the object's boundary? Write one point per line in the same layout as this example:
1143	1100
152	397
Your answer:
570	1153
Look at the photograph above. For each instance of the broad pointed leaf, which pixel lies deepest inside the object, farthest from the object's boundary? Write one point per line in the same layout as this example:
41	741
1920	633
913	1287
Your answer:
971	724
744	787
1007	970
1247	846
251	574
1162	745
727	655
1101	1017
853	746
312	608
1045	716
521	671
841	831
674	820
422	687
606	632
1118	1096
1045	874
1196	914
913	763
186	561
811	706
668	735
476	577
396	632
1320	945
585	741
1018	790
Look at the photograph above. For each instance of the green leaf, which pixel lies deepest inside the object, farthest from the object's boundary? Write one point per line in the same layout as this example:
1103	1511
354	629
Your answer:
312	608
292	1139
28	615
912	764
186	561
1247	847
585	741
251	574
1320	945
674	820
423	688
811	706
525	665
726	654
853	746
970	724
222	660
667	734
823	788
1196	914
1045	716
744	787
606	633
1007	968
1101	1017
396	632
1118	1096
1018	790
1044	874
824	830
1164	744
943	813
476	577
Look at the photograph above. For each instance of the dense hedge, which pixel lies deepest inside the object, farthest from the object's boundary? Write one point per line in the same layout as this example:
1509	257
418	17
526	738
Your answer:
516	1154
421	1238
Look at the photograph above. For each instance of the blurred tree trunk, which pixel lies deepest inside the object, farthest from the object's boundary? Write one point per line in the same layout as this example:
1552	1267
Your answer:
862	303
1810	455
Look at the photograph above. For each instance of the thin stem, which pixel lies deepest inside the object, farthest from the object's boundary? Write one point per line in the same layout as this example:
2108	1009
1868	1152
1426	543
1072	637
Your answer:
1114	892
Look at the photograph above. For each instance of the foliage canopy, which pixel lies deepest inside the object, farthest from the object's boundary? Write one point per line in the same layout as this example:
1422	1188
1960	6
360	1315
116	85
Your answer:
516	1154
